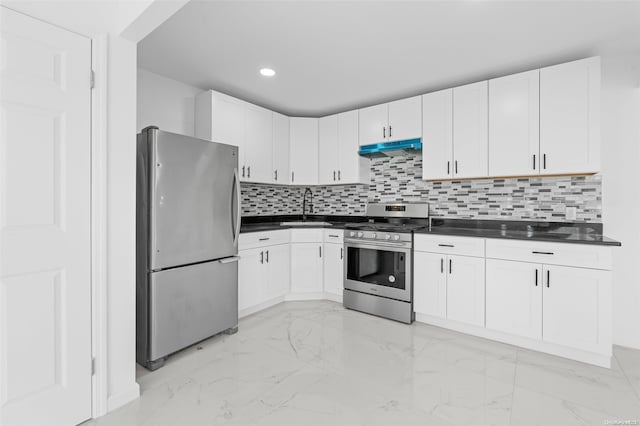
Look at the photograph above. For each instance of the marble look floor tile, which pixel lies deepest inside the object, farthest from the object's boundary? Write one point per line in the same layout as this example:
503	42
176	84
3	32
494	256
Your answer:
316	363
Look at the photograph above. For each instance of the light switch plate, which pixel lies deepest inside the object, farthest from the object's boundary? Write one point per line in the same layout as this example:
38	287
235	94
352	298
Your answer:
570	213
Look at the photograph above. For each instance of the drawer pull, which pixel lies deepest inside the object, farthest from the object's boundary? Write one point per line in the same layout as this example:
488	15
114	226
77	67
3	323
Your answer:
446	245
264	239
543	252
334	236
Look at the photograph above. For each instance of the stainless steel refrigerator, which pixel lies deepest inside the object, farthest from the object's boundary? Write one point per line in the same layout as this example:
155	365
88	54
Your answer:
188	221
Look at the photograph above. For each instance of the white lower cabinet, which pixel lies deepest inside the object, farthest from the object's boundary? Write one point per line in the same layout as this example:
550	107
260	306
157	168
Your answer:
465	289
514	297
333	258
251	278
576	308
306	267
430	284
278	265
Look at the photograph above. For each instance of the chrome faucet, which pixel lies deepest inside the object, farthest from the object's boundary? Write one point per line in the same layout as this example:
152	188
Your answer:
304	203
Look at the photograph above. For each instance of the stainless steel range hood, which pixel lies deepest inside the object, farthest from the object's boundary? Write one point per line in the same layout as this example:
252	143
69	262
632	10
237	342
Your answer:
392	149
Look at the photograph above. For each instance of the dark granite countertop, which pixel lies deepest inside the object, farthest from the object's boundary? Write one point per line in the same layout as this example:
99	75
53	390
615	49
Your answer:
557	232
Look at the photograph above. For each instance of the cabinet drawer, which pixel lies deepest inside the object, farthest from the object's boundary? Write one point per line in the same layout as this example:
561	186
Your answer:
263	239
307	235
578	255
464	246
333	236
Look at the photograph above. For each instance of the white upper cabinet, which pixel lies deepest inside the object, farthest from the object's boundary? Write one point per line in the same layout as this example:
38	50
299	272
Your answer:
405	119
328	150
225	119
570	117
394	121
373	123
281	149
338	159
514	124
470	131
352	168
303	150
258	144
437	135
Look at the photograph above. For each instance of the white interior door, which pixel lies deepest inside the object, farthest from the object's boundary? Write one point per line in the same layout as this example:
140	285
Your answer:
45	288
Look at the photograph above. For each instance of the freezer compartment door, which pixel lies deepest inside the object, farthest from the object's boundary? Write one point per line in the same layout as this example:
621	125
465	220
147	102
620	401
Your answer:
191	303
193	200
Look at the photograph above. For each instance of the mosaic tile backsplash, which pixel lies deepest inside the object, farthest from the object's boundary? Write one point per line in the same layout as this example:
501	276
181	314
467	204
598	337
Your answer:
399	179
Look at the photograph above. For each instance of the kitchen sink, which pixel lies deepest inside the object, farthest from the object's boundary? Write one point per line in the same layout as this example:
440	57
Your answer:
305	223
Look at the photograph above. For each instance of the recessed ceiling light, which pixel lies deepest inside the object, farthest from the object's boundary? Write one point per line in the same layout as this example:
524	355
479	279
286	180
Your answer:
267	72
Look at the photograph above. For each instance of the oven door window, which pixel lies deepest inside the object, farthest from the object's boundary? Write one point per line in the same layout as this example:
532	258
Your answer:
379	267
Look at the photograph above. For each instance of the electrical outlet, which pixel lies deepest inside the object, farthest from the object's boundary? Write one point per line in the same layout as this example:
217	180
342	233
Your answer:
570	213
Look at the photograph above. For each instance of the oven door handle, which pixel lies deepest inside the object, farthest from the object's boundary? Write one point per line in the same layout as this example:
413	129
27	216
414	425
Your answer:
360	243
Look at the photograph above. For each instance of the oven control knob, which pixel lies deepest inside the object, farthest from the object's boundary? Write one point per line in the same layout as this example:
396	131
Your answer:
373	235
360	234
396	237
352	234
387	237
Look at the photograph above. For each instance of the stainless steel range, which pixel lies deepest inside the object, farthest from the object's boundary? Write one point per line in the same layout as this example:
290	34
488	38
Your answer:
378	267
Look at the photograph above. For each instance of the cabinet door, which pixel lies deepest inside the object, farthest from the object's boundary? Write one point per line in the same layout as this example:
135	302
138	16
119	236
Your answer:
304	150
278	263
570	117
352	168
333	258
470	132
373	123
514	297
405	119
281	149
328	150
228	122
251	278
437	135
465	289
258	144
430	284
514	124
576	308
306	267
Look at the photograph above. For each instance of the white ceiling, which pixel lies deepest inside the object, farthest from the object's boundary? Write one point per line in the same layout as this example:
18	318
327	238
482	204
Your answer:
331	56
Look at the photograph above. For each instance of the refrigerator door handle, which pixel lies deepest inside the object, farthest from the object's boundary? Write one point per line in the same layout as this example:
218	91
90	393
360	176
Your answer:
229	259
237	186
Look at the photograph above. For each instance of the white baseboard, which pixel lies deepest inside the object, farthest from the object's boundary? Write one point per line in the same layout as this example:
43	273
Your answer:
252	310
116	401
333	297
304	296
599	359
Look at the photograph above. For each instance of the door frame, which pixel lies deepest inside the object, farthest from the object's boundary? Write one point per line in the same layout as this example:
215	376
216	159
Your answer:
99	312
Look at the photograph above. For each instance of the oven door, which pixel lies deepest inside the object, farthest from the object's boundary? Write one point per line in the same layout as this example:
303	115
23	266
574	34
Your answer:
380	268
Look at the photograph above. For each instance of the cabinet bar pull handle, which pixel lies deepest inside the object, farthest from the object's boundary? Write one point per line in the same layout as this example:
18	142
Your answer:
261	257
544	161
534	161
276	175
341	253
320	250
449	266
334	175
291	176
448	167
446	245
267	256
456	166
442	265
338	174
384	133
543	252
263	239
242	171
333	235
548	278
249	171
389	131
536	277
